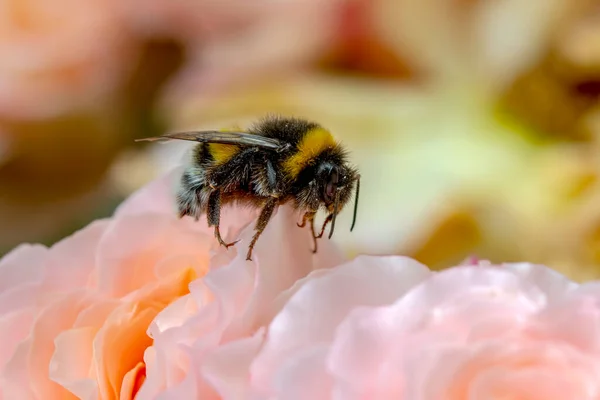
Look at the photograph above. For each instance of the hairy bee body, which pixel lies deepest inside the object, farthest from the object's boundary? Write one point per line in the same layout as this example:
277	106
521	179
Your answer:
278	160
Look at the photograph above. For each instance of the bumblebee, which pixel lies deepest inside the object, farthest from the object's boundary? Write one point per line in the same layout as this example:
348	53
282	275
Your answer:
278	160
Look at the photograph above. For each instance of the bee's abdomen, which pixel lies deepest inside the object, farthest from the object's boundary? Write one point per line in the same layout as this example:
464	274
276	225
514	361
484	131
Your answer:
193	192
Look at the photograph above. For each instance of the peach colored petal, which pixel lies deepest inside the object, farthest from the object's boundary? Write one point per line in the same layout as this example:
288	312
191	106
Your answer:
24	264
133	245
27	370
96	313
124	333
132	382
57	317
70	365
71	262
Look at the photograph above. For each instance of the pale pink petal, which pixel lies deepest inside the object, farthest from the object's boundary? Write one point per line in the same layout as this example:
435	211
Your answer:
14	378
305	376
479	367
24	264
14	327
364	281
452	306
446	290
157	197
574	319
227	367
278	267
553	284
154	382
21	296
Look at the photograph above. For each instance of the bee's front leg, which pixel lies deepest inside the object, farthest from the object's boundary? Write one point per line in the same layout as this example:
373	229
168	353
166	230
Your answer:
327	221
213	214
308	216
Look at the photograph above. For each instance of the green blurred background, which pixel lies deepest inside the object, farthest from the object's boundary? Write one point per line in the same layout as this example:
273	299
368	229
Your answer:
474	123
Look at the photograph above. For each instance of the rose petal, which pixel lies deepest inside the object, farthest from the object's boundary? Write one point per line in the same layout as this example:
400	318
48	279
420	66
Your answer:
293	252
553	284
71	262
132	381
72	366
370	280
57	317
14	327
157	197
226	367
71	363
305	376
125	331
24	264
133	245
14	378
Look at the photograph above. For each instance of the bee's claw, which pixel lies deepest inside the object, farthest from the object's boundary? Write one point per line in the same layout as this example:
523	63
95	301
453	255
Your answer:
225	244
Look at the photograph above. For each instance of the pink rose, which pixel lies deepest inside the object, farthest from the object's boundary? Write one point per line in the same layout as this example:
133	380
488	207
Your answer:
88	318
388	328
59	55
146	306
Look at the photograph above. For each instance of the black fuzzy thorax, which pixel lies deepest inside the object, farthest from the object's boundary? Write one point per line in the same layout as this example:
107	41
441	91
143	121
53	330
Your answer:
287	129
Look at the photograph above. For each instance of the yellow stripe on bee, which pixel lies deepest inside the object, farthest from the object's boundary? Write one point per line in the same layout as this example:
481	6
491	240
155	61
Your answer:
222	153
310	146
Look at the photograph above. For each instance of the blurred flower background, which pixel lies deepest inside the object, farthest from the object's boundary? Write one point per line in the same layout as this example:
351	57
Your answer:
475	124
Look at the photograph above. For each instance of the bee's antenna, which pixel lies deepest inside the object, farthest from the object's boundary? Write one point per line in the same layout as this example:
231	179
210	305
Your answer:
355	202
335	212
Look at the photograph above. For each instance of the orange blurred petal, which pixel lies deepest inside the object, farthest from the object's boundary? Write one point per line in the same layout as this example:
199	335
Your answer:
120	344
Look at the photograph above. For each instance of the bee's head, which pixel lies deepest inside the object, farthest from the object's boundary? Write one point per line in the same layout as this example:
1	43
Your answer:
335	184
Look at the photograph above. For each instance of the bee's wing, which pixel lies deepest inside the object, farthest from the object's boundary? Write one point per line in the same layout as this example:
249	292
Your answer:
239	138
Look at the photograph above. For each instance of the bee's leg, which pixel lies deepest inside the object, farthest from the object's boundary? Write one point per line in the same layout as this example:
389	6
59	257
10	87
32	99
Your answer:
327	221
314	237
261	224
308	216
213	213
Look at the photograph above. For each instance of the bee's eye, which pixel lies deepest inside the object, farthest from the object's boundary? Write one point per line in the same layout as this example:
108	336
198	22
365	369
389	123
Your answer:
331	187
329	192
